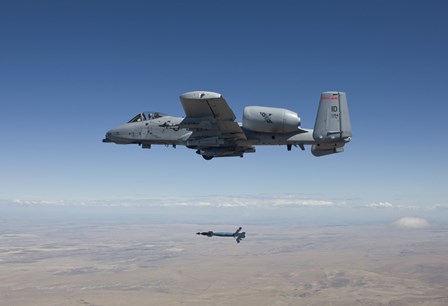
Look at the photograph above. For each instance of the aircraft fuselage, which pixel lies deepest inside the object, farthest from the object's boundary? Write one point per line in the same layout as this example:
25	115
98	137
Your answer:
164	130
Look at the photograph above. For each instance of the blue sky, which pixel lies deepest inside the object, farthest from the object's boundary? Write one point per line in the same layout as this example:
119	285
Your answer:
71	70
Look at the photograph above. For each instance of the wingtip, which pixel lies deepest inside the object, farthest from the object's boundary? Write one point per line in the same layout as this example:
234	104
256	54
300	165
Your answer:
202	95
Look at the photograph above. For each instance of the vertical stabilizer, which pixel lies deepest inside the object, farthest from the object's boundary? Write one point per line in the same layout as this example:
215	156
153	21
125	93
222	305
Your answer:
332	128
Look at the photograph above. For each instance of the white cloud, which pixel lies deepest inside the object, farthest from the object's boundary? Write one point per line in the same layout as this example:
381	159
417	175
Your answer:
222	201
301	202
380	205
211	201
411	222
38	202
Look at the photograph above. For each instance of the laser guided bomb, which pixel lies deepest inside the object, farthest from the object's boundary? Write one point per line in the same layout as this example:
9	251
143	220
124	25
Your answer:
238	235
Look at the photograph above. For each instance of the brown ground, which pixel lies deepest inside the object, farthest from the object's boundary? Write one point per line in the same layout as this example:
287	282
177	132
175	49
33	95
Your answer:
72	264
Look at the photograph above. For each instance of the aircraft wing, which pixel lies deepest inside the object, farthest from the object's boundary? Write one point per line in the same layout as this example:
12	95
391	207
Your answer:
199	104
215	132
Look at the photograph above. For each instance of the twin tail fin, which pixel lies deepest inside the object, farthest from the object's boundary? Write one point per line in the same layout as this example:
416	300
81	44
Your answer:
332	129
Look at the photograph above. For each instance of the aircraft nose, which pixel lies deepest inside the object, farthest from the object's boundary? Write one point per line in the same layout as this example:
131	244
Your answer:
106	140
108	136
119	135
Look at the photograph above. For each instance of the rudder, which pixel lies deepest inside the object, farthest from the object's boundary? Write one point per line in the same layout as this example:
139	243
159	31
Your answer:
332	128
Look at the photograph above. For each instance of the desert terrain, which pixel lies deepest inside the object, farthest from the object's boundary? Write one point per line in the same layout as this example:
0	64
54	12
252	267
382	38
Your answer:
111	263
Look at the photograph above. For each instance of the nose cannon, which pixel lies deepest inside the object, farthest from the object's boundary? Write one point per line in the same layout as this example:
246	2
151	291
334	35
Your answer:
106	139
120	135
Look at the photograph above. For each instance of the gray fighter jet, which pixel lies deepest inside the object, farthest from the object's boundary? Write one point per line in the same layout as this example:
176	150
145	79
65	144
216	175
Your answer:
210	127
237	235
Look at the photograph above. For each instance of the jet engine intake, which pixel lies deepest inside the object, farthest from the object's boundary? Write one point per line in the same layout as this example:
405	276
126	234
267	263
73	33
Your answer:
270	119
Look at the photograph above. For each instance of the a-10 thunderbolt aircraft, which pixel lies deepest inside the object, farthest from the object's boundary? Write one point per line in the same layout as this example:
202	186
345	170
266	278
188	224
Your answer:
210	127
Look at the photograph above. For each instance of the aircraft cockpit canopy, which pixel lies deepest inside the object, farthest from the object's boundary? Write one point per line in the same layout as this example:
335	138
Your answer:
146	116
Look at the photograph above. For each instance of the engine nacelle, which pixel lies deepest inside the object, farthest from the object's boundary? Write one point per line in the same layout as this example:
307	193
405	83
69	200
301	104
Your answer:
270	119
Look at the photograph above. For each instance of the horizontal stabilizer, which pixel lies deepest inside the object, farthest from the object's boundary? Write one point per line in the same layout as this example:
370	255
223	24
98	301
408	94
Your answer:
319	150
